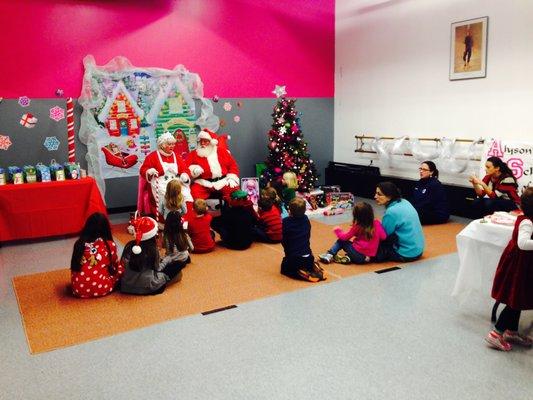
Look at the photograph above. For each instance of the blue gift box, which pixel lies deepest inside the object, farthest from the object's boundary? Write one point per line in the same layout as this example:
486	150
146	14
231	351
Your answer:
43	173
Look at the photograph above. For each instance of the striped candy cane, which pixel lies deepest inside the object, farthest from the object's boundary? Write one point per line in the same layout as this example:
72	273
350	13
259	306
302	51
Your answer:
70	130
155	191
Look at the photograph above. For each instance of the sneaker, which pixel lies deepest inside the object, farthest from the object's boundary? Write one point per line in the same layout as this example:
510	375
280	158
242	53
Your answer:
495	340
326	258
307	276
515	337
342	259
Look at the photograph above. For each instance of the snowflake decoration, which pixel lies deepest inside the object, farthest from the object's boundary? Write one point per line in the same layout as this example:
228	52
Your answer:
283	130
51	143
236	119
57	113
5	142
24	101
227	106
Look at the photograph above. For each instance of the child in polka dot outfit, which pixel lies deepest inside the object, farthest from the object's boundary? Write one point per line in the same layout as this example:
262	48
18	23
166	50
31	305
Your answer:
95	267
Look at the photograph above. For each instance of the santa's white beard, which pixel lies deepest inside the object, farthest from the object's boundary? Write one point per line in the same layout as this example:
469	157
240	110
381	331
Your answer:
205	151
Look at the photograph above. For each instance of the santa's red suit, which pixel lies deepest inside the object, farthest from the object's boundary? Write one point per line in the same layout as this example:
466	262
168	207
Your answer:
157	170
214	172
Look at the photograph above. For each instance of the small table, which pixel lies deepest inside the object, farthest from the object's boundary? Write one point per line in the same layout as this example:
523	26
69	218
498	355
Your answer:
480	246
34	210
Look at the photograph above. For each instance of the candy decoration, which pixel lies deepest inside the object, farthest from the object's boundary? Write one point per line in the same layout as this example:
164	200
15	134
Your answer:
227	106
236	119
24	101
5	142
51	143
57	113
70	130
28	120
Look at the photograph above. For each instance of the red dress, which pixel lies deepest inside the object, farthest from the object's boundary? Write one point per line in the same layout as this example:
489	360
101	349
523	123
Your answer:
94	279
513	281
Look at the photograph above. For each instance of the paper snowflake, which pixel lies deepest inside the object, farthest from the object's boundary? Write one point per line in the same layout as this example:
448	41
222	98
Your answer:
51	143
236	119
5	142
57	113
227	106
24	101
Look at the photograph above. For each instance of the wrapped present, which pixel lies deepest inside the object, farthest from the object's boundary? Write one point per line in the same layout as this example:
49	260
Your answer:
56	171
14	174
330	188
340	199
43	173
72	170
30	173
3	176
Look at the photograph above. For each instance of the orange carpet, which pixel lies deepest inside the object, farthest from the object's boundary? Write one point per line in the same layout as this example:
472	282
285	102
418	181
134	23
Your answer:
53	319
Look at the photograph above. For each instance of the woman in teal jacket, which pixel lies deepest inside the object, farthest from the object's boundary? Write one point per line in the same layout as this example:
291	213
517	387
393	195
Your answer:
405	238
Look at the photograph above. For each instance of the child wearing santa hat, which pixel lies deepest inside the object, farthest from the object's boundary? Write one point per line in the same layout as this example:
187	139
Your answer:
144	272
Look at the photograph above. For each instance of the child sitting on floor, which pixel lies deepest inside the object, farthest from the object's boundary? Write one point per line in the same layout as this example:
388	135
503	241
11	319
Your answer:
95	268
268	227
367	233
176	241
514	279
144	273
236	221
299	262
272	193
199	228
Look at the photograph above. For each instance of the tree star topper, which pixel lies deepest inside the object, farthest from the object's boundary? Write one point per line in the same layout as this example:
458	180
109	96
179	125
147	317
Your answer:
279	91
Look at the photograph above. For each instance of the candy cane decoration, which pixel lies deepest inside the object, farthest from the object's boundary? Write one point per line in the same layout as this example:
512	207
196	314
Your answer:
155	191
70	130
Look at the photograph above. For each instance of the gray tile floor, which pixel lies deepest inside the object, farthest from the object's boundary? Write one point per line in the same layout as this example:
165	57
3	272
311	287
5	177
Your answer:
397	335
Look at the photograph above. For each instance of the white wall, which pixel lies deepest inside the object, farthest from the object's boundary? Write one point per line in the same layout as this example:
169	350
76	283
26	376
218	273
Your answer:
392	79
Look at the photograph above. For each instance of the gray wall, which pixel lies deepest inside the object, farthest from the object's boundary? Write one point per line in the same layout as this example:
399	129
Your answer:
248	141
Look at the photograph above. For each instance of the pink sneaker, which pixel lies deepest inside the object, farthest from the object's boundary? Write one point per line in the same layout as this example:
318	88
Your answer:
515	337
495	340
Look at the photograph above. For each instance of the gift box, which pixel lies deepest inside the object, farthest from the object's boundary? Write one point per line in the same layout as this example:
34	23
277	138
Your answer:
340	199
14	174
56	171
30	173
3	176
72	170
330	188
43	173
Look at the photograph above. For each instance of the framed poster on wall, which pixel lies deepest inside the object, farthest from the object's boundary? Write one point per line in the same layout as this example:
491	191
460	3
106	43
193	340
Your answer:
468	49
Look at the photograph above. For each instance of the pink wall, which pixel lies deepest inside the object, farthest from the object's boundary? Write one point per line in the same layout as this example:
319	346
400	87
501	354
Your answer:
240	48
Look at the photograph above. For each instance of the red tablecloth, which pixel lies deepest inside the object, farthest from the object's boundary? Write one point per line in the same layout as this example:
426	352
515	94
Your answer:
42	209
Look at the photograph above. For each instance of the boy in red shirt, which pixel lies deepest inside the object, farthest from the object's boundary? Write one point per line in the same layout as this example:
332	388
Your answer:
199	228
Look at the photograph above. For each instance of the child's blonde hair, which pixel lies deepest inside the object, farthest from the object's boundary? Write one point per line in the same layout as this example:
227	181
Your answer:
200	206
290	179
297	207
173	196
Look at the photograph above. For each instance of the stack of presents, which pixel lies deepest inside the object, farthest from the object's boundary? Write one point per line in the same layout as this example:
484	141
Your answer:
40	173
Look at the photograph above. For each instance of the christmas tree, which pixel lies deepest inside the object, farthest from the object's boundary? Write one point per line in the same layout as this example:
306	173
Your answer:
287	149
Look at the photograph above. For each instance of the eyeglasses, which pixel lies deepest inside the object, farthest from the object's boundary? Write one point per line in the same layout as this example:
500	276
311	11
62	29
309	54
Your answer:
424	169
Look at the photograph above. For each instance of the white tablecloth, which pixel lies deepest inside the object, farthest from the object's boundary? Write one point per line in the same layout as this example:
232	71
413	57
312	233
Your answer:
479	245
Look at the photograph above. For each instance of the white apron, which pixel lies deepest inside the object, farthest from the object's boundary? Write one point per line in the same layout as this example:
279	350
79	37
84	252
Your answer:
159	184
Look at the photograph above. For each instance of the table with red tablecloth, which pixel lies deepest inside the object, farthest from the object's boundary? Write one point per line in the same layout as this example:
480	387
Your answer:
41	209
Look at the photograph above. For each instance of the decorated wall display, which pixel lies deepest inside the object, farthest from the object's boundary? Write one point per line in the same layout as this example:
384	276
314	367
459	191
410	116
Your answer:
517	155
126	108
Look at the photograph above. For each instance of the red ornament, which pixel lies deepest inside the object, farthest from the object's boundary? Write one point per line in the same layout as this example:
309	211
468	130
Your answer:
273	145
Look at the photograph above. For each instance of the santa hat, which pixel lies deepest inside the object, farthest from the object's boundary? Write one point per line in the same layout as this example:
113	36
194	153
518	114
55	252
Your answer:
209	135
165	138
145	228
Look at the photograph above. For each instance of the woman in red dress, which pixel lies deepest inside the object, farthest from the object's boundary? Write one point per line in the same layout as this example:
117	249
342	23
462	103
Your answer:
513	281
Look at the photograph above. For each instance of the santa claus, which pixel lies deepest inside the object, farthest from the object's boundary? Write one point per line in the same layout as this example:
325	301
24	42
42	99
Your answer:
213	167
159	168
